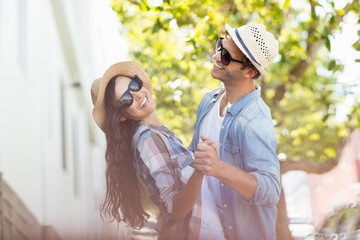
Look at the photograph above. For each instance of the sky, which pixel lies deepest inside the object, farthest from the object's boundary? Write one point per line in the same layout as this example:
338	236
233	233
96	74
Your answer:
350	77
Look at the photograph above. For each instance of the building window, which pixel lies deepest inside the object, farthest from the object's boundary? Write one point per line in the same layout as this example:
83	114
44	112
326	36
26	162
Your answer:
63	125
22	36
76	155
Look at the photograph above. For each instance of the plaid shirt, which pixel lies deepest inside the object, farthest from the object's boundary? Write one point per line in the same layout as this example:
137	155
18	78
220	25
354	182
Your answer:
163	164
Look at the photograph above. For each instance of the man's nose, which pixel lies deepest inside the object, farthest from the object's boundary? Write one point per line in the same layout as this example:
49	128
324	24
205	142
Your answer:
217	56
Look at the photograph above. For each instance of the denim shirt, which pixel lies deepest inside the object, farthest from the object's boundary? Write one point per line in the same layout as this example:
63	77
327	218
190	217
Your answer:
247	141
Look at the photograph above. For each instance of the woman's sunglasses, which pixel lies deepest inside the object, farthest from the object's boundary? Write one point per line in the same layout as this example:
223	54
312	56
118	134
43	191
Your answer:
224	53
127	99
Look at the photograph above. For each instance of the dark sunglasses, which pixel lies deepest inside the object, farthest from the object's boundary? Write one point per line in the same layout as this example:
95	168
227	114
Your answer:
127	99
224	53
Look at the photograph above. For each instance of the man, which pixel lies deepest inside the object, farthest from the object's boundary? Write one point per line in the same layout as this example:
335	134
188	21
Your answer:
243	172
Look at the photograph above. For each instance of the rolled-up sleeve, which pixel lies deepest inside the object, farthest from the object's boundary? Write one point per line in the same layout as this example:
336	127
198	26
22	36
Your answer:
260	160
157	169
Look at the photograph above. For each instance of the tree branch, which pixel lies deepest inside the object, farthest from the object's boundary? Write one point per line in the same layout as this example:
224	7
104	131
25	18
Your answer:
312	167
312	47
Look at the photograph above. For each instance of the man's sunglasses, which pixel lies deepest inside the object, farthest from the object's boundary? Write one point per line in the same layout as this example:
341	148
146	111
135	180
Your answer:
224	53
127	99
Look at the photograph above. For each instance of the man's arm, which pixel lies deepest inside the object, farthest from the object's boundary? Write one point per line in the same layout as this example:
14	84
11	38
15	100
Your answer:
260	183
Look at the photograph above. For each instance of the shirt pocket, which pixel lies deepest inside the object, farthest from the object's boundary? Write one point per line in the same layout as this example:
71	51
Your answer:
233	154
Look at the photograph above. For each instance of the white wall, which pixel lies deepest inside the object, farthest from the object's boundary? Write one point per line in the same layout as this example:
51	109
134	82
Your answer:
22	112
43	114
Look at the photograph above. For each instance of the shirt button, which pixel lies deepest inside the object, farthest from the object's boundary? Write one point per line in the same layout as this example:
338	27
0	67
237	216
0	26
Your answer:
230	227
225	205
221	184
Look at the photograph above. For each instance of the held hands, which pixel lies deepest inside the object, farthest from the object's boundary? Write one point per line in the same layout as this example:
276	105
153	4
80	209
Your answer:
207	158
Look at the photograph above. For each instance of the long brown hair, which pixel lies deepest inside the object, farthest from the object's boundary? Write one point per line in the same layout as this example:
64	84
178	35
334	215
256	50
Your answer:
124	193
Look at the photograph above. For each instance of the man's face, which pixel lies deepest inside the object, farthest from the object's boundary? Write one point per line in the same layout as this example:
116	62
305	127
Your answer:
235	69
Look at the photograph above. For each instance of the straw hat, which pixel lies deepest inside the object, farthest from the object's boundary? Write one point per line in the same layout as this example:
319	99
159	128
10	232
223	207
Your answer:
98	87
258	45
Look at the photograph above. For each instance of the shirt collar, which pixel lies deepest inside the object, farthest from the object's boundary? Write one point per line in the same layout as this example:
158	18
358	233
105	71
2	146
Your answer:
216	94
159	128
242	102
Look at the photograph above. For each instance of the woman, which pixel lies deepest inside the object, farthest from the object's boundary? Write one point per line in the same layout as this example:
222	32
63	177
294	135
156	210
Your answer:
141	152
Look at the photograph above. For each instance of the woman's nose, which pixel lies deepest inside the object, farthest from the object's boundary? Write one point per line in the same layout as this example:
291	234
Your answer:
136	95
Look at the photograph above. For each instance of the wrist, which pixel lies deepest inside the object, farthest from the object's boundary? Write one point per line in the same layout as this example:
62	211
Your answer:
198	173
223	170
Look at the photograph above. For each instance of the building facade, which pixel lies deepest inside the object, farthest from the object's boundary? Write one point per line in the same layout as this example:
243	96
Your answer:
51	152
338	187
312	199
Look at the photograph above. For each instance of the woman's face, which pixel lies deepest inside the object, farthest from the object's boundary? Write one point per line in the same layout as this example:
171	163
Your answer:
142	106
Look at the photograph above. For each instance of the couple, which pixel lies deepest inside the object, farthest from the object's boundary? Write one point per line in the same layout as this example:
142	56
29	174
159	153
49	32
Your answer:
227	183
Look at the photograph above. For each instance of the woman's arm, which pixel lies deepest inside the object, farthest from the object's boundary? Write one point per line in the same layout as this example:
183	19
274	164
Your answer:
164	177
183	201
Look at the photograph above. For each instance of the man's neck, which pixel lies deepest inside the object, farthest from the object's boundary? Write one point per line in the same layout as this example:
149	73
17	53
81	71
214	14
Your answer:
236	91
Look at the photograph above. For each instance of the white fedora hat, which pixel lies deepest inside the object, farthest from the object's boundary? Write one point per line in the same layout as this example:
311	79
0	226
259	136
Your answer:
257	44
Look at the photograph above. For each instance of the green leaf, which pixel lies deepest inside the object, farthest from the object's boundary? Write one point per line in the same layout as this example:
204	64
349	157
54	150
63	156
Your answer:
327	43
175	44
286	4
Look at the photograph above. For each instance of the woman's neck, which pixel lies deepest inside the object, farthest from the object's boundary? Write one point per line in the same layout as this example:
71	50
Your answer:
153	119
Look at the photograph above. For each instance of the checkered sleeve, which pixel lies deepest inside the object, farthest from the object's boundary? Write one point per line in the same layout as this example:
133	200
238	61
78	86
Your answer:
157	168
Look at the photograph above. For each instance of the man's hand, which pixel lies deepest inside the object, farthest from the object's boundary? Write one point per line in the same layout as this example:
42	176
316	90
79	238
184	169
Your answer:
207	158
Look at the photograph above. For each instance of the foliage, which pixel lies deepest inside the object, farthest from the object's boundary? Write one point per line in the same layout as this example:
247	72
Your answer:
174	41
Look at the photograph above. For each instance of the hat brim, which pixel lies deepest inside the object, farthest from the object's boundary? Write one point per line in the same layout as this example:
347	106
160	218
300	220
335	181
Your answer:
240	43
98	87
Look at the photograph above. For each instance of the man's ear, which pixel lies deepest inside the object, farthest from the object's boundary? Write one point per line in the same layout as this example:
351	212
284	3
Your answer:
251	72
